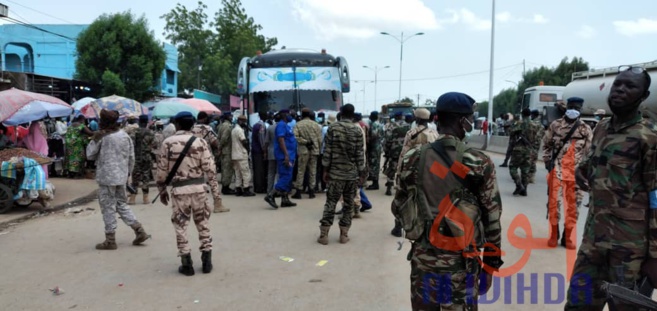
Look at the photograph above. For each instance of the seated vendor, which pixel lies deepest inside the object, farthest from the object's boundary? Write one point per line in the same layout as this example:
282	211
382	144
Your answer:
5	142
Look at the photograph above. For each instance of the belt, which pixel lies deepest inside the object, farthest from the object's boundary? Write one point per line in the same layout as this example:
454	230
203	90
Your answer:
188	182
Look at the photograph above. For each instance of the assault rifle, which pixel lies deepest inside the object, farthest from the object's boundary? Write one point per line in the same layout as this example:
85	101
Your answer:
639	298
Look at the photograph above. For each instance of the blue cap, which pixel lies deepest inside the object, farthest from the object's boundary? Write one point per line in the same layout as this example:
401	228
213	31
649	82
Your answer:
143	118
227	114
575	100
183	114
455	102
398	114
374	113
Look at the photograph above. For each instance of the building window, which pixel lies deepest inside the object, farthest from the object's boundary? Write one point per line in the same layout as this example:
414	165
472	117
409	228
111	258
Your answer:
171	77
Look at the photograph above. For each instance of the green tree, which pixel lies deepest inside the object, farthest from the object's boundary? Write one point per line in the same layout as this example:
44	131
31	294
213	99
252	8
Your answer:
120	48
407	100
505	101
560	75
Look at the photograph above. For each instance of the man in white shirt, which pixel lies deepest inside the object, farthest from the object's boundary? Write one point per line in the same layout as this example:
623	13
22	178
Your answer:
240	158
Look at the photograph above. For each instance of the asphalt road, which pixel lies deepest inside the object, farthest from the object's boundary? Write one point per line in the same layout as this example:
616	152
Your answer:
368	273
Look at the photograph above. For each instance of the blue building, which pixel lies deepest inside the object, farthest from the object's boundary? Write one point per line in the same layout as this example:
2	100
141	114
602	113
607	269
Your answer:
48	58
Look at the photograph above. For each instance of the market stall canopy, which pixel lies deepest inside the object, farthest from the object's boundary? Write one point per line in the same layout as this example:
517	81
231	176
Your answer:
18	107
168	109
82	102
125	106
202	105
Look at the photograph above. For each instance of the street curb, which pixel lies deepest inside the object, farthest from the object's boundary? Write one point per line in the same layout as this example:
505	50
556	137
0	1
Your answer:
40	213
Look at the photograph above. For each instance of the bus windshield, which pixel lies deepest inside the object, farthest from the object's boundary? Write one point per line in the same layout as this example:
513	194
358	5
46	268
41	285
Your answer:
315	100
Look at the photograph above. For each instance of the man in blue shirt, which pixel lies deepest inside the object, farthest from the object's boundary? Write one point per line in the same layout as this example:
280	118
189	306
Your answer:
285	150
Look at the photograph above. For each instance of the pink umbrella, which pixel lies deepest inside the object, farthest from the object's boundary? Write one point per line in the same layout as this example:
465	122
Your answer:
201	105
13	100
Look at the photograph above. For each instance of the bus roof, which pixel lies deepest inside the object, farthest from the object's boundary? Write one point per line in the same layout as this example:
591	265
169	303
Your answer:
293	57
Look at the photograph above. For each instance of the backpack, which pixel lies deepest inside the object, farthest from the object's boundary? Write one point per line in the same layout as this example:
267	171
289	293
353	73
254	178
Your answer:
441	207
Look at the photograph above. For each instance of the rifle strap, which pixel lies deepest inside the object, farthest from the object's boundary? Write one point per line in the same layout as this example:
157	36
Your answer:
438	147
181	156
418	133
565	139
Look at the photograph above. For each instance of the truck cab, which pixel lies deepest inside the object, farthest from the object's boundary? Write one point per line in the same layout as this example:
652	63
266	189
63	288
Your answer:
543	98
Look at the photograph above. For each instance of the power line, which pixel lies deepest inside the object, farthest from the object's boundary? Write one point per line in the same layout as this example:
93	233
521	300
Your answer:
452	76
35	10
15	21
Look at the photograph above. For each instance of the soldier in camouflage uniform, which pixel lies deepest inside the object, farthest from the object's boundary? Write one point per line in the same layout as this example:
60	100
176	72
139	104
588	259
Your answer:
619	243
144	140
536	120
522	136
422	134
561	178
344	172
203	130
240	158
394	144
225	145
188	194
442	277
374	149
113	151
309	140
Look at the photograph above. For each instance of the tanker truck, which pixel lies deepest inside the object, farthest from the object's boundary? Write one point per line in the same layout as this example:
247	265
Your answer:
593	86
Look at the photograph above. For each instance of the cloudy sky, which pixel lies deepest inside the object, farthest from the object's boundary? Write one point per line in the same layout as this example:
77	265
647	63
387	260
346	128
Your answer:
452	55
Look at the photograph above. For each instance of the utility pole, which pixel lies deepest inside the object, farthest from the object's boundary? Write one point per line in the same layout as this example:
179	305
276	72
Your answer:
401	54
490	82
523	68
376	72
418	100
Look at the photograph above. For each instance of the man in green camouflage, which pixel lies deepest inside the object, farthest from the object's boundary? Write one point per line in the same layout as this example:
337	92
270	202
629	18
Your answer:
620	235
523	134
225	147
374	149
309	139
344	172
444	271
392	148
143	140
536	120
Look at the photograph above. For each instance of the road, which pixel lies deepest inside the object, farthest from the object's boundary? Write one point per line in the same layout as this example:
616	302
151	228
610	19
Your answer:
368	273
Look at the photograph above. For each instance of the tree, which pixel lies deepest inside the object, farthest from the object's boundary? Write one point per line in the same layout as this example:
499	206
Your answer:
119	52
407	100
505	101
429	102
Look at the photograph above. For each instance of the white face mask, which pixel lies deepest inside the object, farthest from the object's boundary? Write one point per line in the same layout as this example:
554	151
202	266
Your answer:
572	114
468	134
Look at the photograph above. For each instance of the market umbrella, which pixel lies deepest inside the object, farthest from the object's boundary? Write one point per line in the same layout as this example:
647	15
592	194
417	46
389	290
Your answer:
168	109
125	106
202	105
82	102
18	107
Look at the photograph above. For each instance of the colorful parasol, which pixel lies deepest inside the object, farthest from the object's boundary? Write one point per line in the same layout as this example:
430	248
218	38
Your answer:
18	107
125	106
202	105
168	109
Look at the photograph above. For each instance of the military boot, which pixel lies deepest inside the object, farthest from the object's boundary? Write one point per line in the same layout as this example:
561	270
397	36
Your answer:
344	237
227	191
566	239
356	212
145	196
523	191
109	243
311	193
219	206
238	191
206	258
388	186
140	234
285	202
374	185
397	230
554	236
518	189
131	199
271	198
323	235
297	194
248	193
505	164
187	267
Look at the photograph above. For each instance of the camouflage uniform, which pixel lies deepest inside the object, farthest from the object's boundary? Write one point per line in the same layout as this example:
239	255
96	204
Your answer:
537	148
188	194
412	139
155	151
374	149
143	140
240	159
394	143
561	180
225	147
443	279
522	138
344	161
309	140
205	132
621	226
115	159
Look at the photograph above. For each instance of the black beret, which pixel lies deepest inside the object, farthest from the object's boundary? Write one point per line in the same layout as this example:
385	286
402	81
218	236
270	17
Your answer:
575	100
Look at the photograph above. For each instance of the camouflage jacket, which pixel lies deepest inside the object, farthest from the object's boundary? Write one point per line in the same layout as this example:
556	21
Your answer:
581	140
397	139
540	131
376	136
225	143
621	168
481	168
308	133
343	156
205	132
426	135
144	141
388	138
197	164
115	158
523	135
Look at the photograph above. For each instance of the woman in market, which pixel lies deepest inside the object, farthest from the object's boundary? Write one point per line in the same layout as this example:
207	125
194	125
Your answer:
77	137
36	141
5	141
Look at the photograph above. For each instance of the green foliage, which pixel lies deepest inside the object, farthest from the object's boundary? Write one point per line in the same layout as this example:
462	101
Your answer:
217	45
407	100
120	48
112	84
509	100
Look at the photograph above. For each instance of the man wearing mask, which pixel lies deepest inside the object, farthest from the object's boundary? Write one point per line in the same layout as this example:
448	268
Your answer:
565	144
240	157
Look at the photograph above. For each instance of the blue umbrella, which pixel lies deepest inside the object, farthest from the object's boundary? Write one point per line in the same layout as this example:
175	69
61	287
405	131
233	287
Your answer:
38	110
168	109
